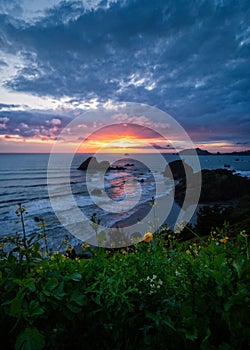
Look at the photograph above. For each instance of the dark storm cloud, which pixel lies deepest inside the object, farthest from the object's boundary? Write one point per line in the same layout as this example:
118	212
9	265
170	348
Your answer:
30	124
189	58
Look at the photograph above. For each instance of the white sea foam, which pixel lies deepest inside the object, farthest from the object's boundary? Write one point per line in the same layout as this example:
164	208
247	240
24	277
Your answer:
244	173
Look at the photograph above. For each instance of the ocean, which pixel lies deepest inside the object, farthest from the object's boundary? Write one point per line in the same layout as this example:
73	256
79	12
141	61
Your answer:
23	179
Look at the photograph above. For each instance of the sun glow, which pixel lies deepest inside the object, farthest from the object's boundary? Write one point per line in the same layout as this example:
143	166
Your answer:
122	144
126	142
112	145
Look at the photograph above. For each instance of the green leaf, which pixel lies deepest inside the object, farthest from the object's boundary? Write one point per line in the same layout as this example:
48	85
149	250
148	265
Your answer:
59	293
50	285
191	335
31	285
30	339
205	339
219	259
168	322
34	309
42	298
79	299
16	304
73	276
238	267
73	308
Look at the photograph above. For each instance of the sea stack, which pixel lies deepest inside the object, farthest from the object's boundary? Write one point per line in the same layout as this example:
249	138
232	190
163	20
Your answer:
91	163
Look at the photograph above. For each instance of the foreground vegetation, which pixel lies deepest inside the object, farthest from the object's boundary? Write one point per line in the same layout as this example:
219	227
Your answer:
160	293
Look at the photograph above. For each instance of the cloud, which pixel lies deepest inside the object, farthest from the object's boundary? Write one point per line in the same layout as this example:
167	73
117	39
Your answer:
3	122
31	124
54	122
167	147
188	58
141	120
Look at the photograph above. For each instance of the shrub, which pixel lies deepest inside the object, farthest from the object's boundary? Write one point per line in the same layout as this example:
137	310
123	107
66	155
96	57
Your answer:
190	295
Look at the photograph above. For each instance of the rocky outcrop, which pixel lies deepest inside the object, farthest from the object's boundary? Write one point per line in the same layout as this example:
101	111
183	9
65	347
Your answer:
177	170
92	164
201	152
222	185
116	168
218	185
198	151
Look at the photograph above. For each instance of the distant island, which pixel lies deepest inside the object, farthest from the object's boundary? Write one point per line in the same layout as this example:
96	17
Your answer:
201	152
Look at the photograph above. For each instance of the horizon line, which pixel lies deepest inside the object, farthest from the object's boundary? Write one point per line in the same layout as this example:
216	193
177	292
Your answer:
127	154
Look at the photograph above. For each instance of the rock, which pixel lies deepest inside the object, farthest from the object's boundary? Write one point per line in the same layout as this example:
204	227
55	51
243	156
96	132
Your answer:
177	169
198	151
129	164
116	168
222	185
85	164
104	165
96	192
217	186
227	165
92	164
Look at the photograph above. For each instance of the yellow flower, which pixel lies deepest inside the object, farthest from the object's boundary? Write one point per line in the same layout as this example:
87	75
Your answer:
224	240
69	249
147	237
43	224
85	245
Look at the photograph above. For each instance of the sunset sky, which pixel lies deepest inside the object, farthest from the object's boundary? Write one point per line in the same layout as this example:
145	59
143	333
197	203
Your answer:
59	59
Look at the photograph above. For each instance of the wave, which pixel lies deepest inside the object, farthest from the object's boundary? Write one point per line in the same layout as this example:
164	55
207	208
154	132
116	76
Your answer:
244	173
32	177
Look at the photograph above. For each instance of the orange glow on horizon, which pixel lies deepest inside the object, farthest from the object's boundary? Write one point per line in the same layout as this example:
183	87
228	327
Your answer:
114	144
125	140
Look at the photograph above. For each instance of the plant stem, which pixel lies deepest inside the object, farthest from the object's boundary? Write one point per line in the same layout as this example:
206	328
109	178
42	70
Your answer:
23	226
196	235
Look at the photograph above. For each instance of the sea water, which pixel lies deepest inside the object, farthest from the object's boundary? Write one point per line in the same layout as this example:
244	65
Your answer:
23	179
